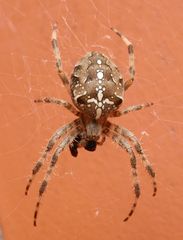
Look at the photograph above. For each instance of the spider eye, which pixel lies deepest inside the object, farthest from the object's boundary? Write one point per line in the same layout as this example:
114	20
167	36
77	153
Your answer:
91	145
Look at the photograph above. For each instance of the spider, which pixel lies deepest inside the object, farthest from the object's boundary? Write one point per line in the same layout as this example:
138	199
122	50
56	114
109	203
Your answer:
97	91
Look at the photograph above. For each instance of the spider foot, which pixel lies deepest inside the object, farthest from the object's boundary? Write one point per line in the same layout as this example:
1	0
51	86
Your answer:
131	211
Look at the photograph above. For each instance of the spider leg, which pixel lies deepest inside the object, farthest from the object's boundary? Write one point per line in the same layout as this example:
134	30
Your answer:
129	82
58	134
130	109
130	136
59	102
102	140
68	140
125	145
56	51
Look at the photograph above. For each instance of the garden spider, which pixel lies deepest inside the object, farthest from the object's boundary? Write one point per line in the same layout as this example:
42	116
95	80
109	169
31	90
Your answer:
97	90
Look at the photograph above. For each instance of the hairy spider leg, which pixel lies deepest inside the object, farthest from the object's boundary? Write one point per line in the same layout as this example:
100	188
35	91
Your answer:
61	102
131	137
56	51
57	135
125	145
130	109
53	162
129	82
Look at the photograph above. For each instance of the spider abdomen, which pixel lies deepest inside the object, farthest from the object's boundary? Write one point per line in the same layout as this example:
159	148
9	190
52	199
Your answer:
96	85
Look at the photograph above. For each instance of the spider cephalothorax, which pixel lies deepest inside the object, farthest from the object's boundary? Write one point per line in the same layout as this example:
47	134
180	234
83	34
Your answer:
97	90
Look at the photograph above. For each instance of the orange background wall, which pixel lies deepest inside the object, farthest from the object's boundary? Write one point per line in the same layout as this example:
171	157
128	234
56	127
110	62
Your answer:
88	197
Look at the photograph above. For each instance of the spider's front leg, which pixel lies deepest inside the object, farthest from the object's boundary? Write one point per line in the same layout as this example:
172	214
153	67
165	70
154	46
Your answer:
125	145
138	147
57	135
49	171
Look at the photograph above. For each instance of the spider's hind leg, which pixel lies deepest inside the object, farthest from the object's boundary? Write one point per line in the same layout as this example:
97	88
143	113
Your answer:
56	51
129	82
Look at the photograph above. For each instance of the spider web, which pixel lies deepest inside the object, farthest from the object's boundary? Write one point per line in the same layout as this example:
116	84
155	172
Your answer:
27	72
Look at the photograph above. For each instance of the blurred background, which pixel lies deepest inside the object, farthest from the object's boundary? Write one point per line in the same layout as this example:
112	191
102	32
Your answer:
89	196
